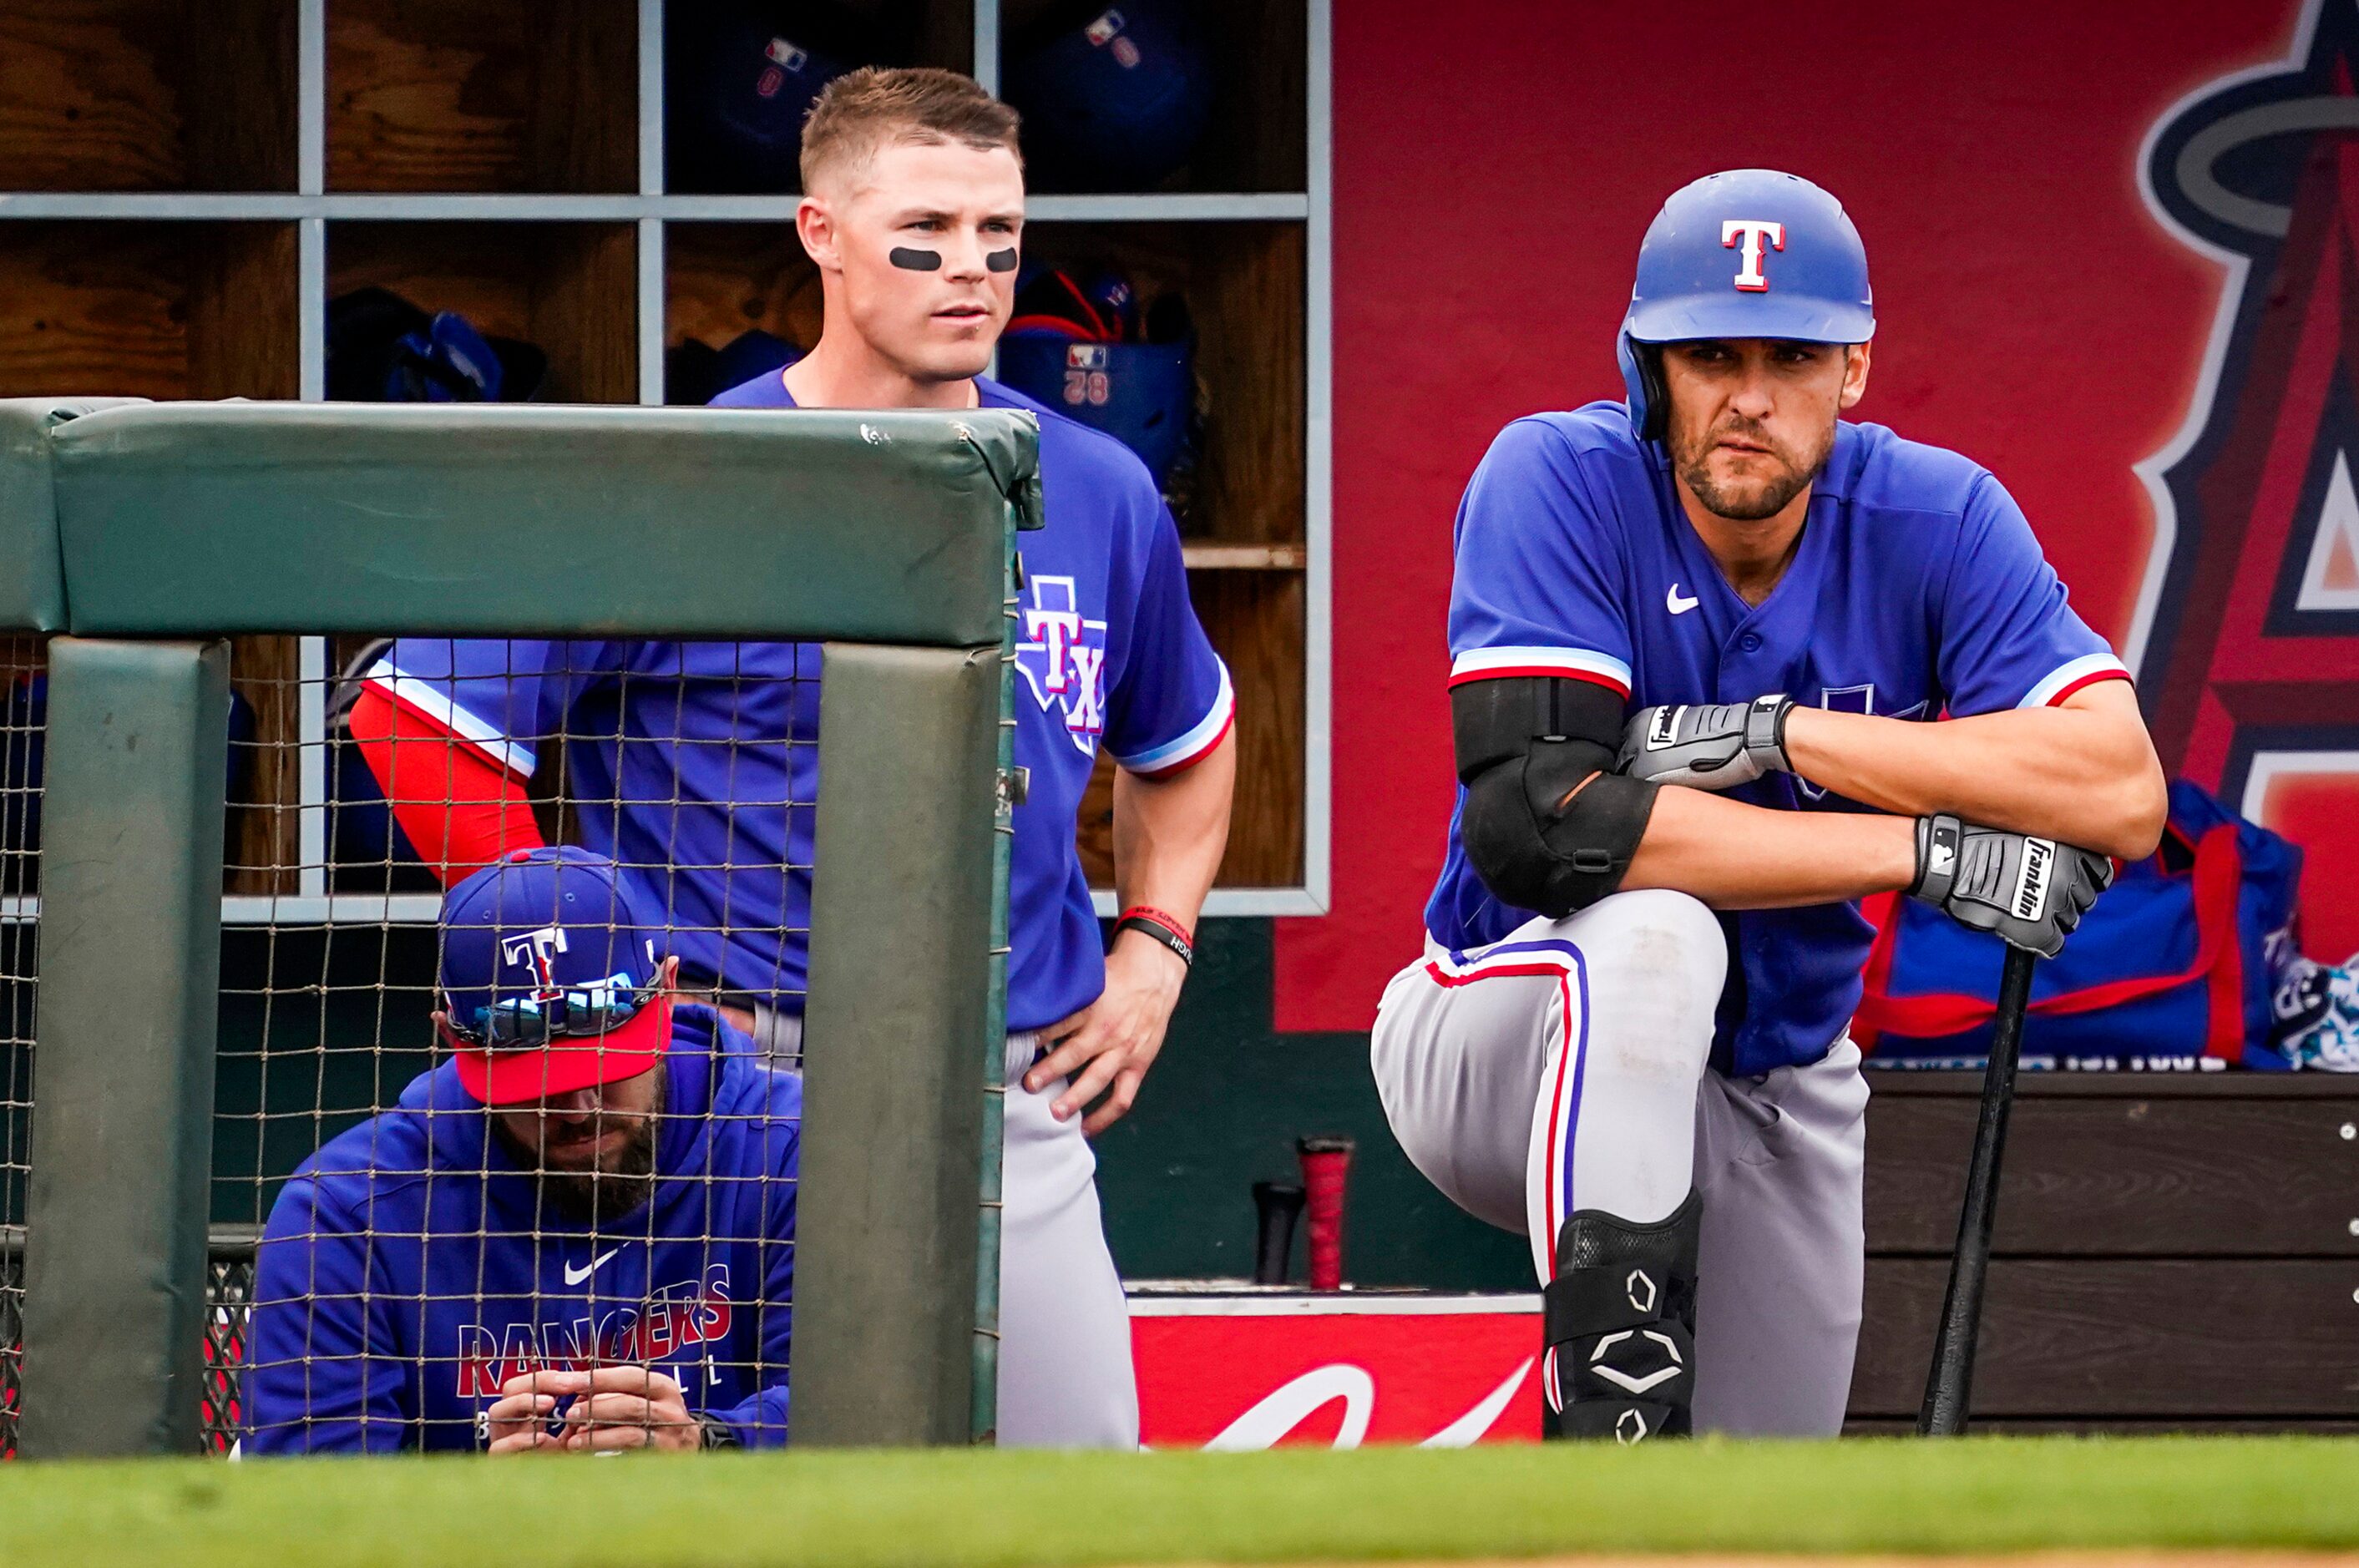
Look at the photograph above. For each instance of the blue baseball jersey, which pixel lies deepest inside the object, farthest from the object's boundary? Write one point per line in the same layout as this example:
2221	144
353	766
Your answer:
411	1266
1917	590
695	766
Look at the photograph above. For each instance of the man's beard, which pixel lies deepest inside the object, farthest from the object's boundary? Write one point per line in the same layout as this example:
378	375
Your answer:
1756	500
623	1181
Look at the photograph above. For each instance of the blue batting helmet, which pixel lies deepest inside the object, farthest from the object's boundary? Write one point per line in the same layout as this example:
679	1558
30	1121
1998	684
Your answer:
1751	252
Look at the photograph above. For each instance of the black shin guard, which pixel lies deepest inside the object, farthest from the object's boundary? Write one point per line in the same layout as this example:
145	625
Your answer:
1620	1327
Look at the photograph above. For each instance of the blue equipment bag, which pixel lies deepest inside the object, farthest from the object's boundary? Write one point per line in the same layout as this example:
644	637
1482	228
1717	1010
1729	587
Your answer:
1140	394
2171	970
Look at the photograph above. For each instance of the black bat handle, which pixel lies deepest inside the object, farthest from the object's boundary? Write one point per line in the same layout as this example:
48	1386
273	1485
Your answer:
1949	1386
1278	1205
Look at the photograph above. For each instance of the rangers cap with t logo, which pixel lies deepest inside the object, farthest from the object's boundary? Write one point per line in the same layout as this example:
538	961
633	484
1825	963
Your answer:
549	980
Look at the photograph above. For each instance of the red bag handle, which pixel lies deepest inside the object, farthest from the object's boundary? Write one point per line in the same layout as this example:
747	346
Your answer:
2218	875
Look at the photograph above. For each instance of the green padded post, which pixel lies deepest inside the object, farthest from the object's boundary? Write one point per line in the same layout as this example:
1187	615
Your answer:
907	992
32	588
129	979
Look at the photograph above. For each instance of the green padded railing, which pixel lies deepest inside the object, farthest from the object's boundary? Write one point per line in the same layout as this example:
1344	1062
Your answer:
139	535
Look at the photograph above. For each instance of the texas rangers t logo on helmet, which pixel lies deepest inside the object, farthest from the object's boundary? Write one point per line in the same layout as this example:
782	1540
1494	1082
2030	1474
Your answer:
1752	230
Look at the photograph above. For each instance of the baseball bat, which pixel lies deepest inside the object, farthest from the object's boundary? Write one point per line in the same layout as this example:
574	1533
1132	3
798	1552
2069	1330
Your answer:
1278	1205
1326	1161
1949	1386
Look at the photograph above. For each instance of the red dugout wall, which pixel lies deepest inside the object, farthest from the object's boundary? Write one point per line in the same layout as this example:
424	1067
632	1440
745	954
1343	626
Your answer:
2041	308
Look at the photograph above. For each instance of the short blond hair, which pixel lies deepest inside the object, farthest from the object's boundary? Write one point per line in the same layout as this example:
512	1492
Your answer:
875	106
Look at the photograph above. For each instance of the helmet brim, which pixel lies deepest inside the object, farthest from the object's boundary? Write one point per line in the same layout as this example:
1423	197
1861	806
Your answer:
1788	318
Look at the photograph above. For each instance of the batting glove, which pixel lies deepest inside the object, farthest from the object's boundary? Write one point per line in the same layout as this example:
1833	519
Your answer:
1712	746
2030	892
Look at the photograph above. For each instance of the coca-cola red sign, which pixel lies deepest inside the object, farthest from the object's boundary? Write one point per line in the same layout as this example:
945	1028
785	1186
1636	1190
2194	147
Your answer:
1263	1370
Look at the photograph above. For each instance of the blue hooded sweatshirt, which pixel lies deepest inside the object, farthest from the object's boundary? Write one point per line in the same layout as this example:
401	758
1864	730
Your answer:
411	1266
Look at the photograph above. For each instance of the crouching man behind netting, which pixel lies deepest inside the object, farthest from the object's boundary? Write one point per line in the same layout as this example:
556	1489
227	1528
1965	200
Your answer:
574	1234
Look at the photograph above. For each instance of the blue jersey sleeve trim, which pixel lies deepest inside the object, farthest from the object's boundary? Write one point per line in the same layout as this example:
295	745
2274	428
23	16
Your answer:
427	698
1192	748
1578	663
2073	676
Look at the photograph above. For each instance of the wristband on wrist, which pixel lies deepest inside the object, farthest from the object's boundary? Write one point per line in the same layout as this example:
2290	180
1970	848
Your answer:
1765	730
714	1432
1153	922
1939	838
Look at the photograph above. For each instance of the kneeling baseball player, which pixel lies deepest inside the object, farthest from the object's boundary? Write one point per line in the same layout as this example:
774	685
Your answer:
576	1235
1700	643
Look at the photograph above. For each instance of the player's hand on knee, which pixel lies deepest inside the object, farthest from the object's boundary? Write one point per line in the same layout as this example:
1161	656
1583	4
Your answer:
629	1407
2030	892
517	1422
1107	1047
1707	746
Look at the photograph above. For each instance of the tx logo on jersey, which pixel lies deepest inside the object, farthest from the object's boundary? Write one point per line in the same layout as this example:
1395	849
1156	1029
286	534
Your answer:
1063	659
1749	234
2247	644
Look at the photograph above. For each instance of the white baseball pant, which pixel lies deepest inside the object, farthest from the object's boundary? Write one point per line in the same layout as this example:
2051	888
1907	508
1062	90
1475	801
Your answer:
1565	1068
1065	1373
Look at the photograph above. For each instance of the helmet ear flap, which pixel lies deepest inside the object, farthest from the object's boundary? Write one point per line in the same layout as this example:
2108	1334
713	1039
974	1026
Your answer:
1657	423
1642	377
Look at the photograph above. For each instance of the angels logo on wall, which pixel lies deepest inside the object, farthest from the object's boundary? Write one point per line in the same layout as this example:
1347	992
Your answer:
2247	641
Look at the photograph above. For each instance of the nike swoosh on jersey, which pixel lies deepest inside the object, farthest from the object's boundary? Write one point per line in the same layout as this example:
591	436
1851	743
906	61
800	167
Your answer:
579	1276
1677	605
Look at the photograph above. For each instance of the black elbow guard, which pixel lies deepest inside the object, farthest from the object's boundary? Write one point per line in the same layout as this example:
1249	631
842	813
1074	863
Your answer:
1548	826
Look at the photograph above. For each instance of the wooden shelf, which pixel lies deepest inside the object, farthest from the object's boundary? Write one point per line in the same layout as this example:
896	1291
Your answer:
460	95
700	61
148	309
1256	622
1246	557
148	95
721	280
1245	288
569	289
1254	138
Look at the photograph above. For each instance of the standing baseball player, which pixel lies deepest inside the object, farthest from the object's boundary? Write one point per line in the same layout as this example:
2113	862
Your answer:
1699	644
693	765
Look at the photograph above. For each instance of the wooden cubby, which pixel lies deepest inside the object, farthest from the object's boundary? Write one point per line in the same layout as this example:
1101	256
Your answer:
853	32
569	289
186	177
721	279
1255	136
1255	619
158	309
478	97
147	94
1244	284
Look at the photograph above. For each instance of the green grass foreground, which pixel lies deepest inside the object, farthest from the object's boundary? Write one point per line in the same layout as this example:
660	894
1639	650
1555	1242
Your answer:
962	1508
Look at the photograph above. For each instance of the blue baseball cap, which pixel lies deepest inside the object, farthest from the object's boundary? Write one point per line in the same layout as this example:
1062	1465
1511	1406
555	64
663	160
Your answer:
550	978
1117	98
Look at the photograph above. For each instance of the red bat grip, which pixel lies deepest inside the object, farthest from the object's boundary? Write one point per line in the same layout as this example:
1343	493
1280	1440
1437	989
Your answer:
1326	1161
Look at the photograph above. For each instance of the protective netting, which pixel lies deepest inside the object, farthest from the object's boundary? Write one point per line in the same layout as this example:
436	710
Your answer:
22	697
620	1249
388	1258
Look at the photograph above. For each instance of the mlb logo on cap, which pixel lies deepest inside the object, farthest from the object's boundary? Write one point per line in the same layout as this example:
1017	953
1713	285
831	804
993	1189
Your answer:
550	980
